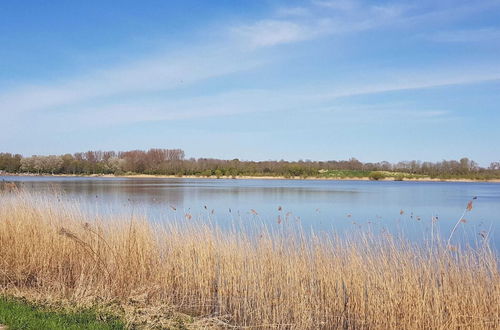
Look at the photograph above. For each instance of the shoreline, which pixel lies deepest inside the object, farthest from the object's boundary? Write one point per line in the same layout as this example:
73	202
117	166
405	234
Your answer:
247	177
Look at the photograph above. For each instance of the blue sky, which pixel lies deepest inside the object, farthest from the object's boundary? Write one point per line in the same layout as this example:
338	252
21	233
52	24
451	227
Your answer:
319	79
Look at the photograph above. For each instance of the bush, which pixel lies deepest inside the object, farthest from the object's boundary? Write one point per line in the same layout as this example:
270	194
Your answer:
399	177
376	175
119	172
207	173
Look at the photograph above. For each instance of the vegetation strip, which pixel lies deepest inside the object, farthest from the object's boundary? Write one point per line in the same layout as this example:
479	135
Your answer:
173	162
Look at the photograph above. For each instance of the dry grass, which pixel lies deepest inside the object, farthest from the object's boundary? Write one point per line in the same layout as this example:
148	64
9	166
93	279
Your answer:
226	279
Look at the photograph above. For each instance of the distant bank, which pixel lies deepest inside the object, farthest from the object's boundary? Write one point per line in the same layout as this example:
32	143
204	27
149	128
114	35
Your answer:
248	177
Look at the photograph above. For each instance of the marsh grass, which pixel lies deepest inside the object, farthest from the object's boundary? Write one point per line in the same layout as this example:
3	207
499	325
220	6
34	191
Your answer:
209	277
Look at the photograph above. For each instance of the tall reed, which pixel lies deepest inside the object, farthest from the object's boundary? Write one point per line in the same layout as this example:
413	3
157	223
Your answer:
285	279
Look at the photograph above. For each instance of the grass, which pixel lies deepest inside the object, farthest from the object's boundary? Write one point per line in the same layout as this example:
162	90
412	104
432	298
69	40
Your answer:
188	274
344	174
20	314
398	176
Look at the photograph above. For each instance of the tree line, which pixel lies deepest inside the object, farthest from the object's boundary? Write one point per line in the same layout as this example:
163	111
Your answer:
174	162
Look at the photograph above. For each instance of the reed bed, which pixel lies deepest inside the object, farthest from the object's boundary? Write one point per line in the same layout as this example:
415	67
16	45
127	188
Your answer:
229	278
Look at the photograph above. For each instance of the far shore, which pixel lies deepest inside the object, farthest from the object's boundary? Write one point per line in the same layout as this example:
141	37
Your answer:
247	177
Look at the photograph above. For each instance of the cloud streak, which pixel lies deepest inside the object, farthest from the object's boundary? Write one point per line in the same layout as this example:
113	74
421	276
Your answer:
155	73
245	101
339	17
466	36
306	24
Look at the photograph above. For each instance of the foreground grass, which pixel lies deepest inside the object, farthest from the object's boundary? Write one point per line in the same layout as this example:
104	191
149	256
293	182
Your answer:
189	274
19	314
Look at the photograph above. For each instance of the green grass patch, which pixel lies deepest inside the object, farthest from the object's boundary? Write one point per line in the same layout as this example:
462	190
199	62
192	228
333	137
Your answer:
344	174
20	314
398	176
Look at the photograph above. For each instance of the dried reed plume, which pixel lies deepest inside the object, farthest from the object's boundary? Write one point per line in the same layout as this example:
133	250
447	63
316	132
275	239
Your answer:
223	278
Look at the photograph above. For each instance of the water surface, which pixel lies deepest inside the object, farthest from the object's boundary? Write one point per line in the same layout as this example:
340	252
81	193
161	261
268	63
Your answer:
400	207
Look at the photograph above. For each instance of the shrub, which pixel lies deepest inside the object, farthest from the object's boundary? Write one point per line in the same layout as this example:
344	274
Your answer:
376	175
207	173
399	177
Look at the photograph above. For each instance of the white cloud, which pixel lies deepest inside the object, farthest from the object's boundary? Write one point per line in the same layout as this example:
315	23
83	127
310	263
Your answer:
295	24
293	12
336	17
401	81
225	103
459	36
273	32
344	5
257	100
384	112
155	73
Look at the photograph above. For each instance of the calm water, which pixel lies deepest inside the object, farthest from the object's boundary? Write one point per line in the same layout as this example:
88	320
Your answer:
400	207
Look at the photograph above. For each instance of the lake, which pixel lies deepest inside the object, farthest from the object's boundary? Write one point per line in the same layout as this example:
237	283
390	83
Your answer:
398	207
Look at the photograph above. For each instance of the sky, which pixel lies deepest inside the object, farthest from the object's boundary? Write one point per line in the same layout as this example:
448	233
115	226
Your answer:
254	80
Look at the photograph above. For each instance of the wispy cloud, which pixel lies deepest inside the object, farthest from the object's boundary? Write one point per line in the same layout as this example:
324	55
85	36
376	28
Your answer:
154	73
67	103
337	17
293	12
102	92
213	105
274	32
465	36
385	112
299	99
295	24
165	71
345	5
405	81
